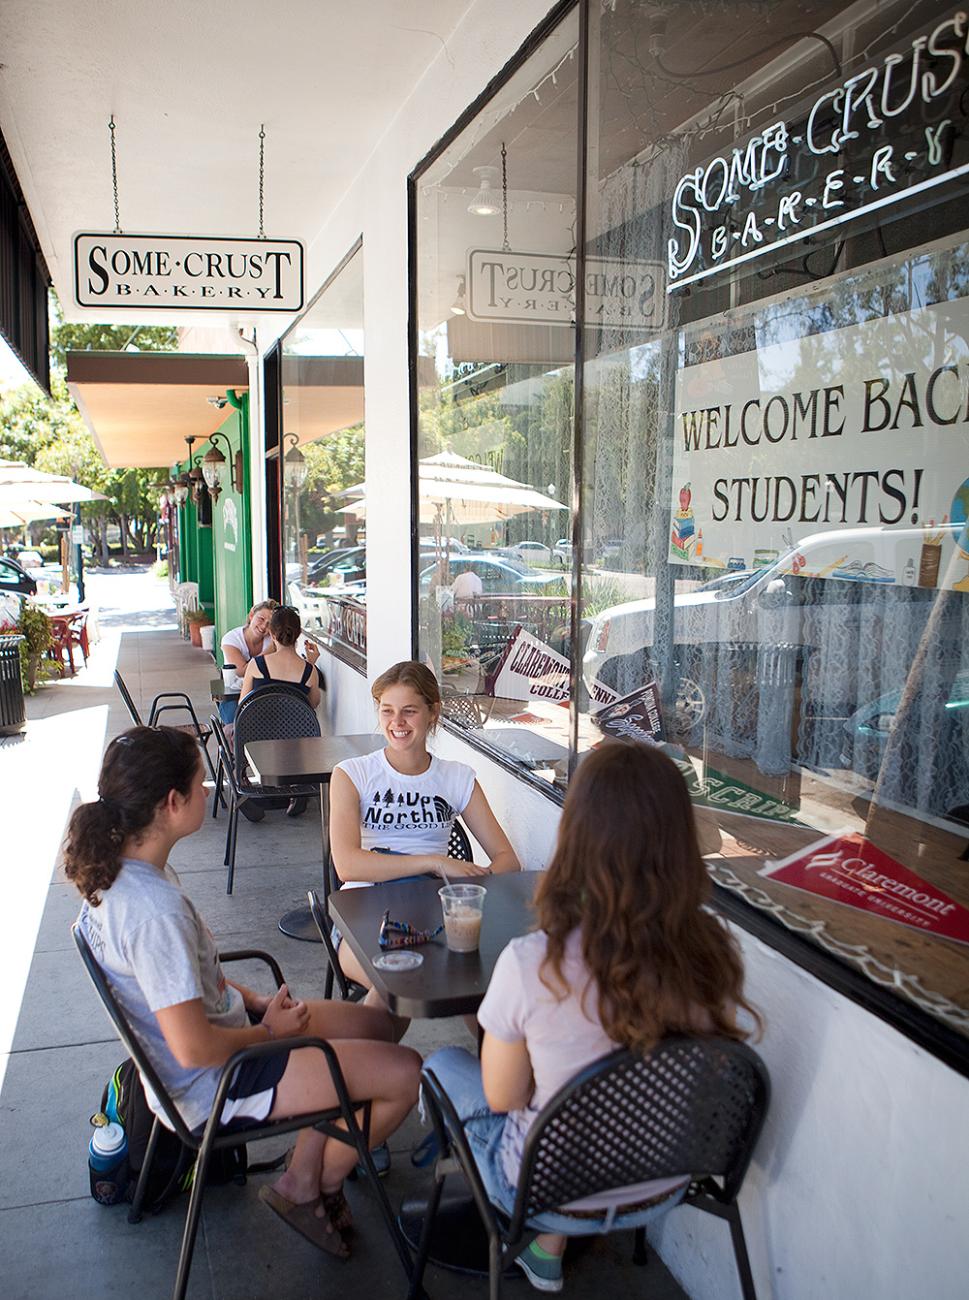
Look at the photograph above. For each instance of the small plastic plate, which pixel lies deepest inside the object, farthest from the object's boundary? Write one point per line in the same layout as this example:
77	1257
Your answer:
398	961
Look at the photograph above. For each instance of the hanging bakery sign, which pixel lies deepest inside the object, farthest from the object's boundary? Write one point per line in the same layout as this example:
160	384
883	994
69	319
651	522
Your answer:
188	272
539	289
893	130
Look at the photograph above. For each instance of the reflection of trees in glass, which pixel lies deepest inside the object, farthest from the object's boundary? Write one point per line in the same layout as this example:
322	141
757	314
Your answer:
333	464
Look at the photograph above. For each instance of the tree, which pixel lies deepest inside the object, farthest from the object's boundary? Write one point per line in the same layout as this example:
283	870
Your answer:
65	337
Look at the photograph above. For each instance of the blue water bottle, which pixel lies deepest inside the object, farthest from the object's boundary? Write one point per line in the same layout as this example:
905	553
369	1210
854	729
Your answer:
108	1161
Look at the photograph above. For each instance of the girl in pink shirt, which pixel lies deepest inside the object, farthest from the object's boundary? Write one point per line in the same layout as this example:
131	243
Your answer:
625	952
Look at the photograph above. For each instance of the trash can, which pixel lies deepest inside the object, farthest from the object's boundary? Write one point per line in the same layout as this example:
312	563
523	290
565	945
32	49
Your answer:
12	714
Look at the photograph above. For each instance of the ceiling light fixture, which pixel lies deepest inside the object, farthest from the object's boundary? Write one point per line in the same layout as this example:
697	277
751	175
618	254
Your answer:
485	203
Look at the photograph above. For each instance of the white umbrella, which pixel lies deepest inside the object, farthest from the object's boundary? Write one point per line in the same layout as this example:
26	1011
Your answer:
15	475
466	493
24	512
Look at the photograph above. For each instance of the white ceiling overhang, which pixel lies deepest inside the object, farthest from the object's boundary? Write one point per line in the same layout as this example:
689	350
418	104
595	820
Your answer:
189	86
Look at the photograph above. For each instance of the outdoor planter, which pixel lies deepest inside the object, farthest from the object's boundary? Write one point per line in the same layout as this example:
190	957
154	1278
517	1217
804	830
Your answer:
197	619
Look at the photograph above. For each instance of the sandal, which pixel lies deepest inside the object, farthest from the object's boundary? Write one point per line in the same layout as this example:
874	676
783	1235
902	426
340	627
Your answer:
307	1220
336	1205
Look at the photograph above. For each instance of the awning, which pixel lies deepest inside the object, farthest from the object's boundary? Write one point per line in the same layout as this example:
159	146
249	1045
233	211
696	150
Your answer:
140	406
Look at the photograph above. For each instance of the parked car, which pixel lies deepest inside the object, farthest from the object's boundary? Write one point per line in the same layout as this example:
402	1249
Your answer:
30	560
562	551
347	559
868	729
499	575
751	627
534	552
14	579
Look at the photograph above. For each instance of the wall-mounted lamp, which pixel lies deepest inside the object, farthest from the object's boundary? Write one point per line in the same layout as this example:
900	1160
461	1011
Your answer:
188	479
487	201
458	307
215	466
295	468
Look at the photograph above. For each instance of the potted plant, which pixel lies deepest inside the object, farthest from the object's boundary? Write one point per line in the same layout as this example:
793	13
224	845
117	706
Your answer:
34	627
197	619
455	643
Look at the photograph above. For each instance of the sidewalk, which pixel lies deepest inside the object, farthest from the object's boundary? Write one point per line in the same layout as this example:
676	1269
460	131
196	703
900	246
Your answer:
57	1048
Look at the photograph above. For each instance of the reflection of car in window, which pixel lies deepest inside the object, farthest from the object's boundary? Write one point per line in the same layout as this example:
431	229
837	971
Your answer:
498	576
349	563
840	612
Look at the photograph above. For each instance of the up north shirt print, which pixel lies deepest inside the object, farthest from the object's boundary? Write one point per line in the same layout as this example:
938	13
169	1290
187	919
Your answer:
408	814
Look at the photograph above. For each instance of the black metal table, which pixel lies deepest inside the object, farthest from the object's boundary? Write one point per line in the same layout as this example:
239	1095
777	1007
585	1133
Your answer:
219	692
307	761
445	984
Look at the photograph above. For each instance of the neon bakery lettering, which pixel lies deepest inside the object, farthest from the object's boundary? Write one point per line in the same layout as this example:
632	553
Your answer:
705	201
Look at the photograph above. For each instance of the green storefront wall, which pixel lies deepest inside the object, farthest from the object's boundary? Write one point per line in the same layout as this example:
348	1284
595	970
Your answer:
219	558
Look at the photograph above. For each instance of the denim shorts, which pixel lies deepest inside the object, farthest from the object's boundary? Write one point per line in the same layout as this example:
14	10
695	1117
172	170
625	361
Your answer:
460	1075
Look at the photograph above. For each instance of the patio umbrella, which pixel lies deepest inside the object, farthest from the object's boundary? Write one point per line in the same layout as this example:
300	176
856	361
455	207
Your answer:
22	512
17	476
452	489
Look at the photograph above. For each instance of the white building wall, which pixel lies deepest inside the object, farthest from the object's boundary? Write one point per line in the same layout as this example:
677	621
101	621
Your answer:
862	1177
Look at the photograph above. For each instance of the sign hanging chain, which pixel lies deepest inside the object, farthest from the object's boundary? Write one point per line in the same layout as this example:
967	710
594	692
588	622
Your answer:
262	174
114	178
505	247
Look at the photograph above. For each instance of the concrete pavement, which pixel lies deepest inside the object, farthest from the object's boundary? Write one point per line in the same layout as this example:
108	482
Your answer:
57	1047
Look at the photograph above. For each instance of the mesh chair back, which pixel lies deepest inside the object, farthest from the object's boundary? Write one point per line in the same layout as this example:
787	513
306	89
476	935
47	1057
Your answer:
277	712
460	708
128	701
458	845
127	1035
692	1106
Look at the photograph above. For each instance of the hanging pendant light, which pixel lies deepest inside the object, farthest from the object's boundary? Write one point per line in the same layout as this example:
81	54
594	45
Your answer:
458	307
486	202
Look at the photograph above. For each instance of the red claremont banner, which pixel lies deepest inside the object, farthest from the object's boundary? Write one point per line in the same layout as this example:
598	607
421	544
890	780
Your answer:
850	870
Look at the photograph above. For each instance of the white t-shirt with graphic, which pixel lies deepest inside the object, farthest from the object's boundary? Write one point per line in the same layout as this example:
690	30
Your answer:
157	952
408	814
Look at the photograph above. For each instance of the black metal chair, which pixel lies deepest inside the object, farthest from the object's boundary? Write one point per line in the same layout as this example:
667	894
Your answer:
277	712
328	1121
458	847
194	727
692	1106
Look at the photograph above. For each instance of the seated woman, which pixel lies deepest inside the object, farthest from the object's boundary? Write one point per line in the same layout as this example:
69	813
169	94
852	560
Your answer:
163	965
240	644
283	664
391	812
624	953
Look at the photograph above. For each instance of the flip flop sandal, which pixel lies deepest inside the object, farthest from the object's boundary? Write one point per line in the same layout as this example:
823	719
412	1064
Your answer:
337	1207
304	1218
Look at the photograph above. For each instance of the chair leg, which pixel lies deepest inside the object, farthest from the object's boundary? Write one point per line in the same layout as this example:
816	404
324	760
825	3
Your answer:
740	1253
191	1228
424	1245
494	1268
231	845
134	1214
640	1253
217	796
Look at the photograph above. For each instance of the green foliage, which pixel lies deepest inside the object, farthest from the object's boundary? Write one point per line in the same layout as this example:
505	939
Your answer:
66	338
159	569
34	626
599	594
455	636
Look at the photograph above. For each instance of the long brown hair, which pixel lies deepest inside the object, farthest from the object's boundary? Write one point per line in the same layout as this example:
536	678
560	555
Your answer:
627	874
139	769
418	677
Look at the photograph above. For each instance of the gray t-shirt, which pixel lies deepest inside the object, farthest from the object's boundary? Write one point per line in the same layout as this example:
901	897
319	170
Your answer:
157	951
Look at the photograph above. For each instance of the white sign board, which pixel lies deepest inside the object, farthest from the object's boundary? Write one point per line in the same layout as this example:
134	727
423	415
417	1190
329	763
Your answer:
77	534
188	272
863	427
539	289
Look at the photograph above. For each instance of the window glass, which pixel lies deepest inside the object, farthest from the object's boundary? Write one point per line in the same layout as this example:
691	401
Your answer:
775	486
323	471
496	345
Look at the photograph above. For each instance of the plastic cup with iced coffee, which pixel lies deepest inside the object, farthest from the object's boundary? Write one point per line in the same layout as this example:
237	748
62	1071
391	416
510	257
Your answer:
462	906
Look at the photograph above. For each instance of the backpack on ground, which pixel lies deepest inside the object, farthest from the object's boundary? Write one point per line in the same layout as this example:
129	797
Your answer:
173	1167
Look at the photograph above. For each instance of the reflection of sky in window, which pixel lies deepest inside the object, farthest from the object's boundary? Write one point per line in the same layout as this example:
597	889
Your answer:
325	343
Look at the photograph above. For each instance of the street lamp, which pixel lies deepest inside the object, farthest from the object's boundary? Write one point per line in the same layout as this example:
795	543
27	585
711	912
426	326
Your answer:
295	468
